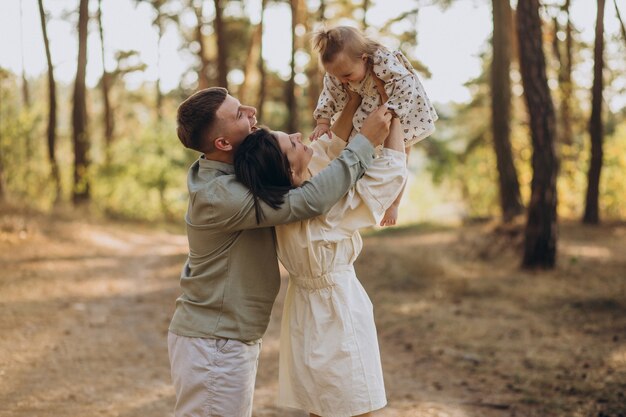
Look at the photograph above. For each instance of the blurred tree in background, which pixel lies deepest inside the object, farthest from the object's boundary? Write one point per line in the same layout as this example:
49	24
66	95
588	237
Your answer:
119	150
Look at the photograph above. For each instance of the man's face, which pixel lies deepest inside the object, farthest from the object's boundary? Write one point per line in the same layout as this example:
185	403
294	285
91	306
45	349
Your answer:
236	121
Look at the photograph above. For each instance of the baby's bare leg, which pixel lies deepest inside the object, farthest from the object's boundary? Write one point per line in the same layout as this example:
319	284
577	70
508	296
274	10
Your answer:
394	141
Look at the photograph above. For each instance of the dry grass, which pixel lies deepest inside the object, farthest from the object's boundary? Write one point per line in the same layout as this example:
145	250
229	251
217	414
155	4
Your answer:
463	331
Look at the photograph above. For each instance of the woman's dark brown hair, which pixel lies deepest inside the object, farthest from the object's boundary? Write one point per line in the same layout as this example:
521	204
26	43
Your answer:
261	166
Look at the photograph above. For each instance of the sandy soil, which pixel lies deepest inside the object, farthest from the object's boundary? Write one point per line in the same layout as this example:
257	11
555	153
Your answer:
85	305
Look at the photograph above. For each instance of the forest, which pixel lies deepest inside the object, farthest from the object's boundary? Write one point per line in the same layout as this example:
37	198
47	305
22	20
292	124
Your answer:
94	136
521	184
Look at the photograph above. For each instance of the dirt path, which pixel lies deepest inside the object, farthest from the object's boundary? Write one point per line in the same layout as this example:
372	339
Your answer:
84	309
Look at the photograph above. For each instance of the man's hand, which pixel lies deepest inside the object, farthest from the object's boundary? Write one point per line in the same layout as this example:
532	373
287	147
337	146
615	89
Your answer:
376	126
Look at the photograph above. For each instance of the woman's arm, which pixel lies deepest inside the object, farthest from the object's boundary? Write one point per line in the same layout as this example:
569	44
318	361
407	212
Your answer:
343	125
395	140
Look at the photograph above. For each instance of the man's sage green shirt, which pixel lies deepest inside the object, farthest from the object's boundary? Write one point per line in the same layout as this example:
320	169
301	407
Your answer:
231	277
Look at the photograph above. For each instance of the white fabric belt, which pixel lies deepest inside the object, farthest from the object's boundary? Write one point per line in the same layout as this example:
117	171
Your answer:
319	281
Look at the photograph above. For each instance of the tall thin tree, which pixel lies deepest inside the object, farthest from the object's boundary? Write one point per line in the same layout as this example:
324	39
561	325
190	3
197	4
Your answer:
366	6
313	73
290	86
2	192
203	70
105	84
25	89
565	132
159	23
222	48
81	193
52	107
541	227
596	130
620	20
510	199
261	66
251	64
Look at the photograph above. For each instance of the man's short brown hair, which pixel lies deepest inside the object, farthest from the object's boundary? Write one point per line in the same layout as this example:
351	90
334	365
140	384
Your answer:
196	116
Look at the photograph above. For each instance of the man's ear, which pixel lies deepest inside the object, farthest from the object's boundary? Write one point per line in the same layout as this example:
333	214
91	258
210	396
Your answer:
222	144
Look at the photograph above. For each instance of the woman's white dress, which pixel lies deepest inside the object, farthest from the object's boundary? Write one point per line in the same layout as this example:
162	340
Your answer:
329	357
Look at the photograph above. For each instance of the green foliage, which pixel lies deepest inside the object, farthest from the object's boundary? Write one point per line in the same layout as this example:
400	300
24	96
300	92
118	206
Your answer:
146	179
612	185
22	155
142	175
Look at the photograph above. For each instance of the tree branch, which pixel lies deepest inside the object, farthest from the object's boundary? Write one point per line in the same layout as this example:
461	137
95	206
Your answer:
621	22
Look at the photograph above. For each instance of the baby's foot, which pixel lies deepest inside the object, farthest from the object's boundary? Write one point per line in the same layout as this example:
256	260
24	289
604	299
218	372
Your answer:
390	217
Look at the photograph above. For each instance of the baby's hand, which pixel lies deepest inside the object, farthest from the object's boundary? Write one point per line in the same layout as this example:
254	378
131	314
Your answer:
320	129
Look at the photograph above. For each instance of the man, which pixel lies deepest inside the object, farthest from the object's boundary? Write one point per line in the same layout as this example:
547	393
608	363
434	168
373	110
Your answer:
231	276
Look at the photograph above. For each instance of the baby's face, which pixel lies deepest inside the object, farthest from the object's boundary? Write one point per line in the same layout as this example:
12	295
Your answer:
347	68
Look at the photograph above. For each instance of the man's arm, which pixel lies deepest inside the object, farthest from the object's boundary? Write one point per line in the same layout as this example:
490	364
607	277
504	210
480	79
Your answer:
232	205
233	208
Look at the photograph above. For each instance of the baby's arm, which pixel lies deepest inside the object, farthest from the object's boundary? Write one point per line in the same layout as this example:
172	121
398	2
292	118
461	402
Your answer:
331	101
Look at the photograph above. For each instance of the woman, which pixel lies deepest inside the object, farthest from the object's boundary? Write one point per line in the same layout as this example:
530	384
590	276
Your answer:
329	357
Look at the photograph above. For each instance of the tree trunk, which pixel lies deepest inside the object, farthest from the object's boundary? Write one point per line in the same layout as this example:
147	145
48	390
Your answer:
52	108
222	50
313	72
261	67
541	227
366	6
621	21
510	199
28	151
79	113
566	82
564	131
25	90
2	193
290	87
252	59
104	84
591	215
159	95
203	71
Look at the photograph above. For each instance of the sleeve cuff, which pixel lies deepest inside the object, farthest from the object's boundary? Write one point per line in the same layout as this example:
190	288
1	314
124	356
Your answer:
363	149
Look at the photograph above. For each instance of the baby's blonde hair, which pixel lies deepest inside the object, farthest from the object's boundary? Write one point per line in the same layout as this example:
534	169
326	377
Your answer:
329	42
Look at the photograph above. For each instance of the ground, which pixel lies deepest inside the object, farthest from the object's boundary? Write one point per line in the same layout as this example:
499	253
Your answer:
85	305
